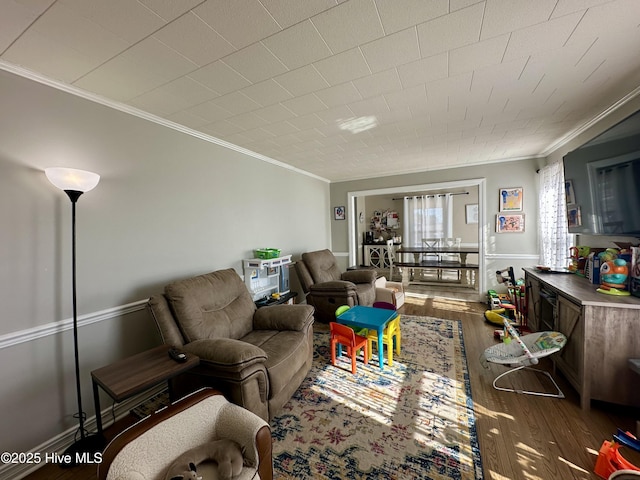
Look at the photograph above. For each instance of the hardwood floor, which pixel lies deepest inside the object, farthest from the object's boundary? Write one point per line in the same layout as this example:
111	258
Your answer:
521	436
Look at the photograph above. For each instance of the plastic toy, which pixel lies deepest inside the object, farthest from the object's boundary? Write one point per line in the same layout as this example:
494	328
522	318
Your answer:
627	439
613	277
609	460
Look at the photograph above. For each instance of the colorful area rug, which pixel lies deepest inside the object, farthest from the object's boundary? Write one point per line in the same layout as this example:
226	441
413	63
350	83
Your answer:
414	420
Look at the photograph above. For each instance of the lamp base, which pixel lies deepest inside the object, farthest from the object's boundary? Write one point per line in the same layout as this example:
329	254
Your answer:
87	450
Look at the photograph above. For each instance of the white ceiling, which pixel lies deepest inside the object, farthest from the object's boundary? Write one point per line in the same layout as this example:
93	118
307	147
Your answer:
449	82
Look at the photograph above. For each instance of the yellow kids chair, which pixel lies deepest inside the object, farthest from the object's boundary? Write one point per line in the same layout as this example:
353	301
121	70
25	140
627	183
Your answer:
391	336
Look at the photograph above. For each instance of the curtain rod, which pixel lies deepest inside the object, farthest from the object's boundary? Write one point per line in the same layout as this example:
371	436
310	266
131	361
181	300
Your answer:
436	195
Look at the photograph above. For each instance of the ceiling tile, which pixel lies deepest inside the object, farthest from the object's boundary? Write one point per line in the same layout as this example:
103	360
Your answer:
219	77
121	78
481	54
158	59
236	103
16	17
266	93
550	35
187	119
375	106
302	81
503	16
194	39
275	113
304	104
343	67
138	23
255	63
458	29
339	95
391	51
298	45
170	9
378	83
46	56
188	91
407	97
208	111
607	20
240	22
288	13
306	122
423	71
398	15
247	121
565	7
281	128
349	24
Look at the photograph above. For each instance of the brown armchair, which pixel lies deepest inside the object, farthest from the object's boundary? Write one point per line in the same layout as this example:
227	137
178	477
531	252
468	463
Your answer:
256	357
327	287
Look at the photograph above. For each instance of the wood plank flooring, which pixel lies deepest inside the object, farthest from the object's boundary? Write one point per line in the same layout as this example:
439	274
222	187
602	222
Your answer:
521	436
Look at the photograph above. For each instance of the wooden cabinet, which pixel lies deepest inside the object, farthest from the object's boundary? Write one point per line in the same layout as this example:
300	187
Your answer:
376	256
601	333
569	321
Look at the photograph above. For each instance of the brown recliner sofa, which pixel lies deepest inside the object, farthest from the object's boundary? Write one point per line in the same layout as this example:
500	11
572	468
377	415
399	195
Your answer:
327	287
256	357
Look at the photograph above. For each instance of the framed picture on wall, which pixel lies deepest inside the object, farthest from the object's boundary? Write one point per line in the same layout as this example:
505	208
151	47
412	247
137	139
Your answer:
511	199
471	213
569	192
338	213
510	223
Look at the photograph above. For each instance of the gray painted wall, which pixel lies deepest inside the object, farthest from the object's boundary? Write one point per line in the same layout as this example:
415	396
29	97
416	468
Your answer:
168	206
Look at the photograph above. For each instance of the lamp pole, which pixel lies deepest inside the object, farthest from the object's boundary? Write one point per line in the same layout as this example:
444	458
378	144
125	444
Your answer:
74	183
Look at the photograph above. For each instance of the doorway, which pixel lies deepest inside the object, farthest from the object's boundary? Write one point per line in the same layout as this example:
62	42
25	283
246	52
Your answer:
359	222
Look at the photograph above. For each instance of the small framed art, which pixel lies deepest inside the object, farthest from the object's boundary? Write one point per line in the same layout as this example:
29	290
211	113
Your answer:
338	213
569	192
511	199
471	213
574	217
510	223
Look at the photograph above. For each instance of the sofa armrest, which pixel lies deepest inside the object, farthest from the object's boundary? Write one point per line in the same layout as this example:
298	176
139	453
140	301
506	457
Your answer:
397	286
227	354
385	295
283	317
333	287
360	276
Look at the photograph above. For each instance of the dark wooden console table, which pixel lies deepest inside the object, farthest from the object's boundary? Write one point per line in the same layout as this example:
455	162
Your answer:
130	376
601	330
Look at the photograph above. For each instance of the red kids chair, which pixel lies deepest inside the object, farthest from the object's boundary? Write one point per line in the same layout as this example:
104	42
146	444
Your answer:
343	335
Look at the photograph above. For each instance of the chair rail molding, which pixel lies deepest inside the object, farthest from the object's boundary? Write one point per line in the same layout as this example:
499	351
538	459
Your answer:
29	334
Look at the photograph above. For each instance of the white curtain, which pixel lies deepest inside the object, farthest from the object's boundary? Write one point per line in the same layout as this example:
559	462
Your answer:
427	216
554	238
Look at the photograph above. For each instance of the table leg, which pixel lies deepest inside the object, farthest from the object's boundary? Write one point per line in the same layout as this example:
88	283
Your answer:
96	403
381	348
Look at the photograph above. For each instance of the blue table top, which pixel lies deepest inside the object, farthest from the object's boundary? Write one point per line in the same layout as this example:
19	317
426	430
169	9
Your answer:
366	317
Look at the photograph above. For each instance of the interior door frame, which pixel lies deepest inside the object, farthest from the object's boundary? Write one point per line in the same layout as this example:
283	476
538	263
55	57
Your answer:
482	231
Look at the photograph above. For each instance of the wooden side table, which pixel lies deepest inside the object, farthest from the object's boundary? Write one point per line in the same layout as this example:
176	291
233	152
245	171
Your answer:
133	375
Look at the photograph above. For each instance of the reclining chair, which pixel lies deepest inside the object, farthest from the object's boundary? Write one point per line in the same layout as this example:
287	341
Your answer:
327	287
256	358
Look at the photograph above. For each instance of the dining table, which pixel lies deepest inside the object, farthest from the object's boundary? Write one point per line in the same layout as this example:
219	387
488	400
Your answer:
415	252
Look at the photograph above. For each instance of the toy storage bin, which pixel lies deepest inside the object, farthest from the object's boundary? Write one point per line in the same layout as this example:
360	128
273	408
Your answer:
265	253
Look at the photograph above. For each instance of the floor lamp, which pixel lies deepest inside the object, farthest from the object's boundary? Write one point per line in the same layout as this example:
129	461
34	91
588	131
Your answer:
75	183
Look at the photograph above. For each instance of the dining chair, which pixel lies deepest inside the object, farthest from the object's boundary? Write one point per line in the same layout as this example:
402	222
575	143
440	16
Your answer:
450	257
345	336
391	257
391	336
430	257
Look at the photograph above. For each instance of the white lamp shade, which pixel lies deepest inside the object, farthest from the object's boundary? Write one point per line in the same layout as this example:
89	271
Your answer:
72	179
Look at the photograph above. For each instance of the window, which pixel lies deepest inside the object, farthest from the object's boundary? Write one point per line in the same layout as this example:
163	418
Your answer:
428	216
